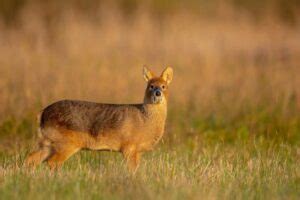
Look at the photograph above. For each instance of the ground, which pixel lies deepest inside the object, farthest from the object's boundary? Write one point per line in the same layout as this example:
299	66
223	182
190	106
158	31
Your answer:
209	158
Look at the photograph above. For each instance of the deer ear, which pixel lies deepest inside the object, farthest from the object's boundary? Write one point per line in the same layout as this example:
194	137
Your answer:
167	75
148	75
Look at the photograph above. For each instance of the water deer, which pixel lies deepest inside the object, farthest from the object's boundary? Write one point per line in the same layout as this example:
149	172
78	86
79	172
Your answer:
69	126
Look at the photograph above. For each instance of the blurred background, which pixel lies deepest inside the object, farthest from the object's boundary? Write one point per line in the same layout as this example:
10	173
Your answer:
236	63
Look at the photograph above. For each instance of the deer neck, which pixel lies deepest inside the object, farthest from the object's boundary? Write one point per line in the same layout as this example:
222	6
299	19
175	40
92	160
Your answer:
156	113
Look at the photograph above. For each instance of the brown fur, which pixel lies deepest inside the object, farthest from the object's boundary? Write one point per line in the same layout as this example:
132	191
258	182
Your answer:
68	126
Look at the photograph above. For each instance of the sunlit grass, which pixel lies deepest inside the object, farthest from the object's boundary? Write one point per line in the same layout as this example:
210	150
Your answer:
217	172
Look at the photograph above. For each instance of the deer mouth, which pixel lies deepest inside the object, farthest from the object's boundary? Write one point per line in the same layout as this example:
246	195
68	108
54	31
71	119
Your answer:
156	99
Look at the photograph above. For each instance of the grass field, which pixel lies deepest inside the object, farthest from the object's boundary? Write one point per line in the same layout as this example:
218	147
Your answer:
254	157
233	128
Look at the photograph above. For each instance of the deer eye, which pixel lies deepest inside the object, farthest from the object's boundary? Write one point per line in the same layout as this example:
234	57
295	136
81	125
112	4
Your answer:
163	87
151	87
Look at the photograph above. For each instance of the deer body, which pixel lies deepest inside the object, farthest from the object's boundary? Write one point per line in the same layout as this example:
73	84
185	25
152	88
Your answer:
68	126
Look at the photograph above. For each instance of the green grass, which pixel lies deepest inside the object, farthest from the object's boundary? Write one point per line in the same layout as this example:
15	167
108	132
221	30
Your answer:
254	155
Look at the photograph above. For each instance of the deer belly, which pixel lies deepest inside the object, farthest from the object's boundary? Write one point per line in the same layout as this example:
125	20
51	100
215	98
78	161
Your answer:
104	143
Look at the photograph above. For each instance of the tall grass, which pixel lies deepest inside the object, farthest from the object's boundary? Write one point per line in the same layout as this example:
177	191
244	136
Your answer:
233	126
217	62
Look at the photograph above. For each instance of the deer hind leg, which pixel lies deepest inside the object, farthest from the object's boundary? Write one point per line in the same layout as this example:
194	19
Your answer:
132	158
38	156
60	153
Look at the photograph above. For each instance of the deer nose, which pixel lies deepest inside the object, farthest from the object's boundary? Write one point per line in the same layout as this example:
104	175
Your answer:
157	93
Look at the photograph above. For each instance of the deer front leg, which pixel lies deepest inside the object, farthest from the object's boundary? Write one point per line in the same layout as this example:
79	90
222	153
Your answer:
132	157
